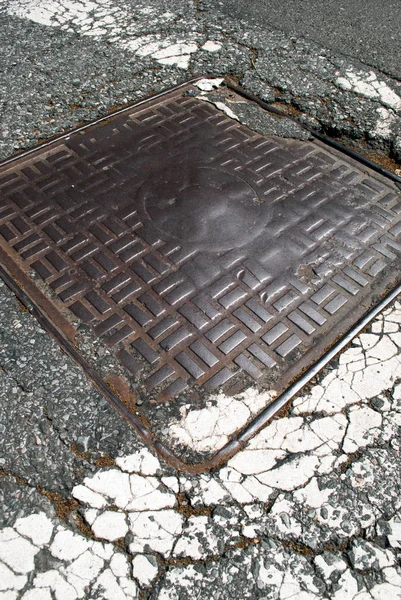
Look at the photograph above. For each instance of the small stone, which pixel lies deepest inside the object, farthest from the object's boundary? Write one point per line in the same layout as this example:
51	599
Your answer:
324	513
346	526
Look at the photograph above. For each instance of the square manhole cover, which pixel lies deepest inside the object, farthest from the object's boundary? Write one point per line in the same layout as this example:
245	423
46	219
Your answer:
193	258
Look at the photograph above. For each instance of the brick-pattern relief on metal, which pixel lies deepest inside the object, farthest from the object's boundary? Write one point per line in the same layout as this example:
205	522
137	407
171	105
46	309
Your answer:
195	247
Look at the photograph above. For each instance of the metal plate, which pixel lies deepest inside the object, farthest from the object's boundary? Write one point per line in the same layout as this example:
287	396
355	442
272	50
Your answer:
202	253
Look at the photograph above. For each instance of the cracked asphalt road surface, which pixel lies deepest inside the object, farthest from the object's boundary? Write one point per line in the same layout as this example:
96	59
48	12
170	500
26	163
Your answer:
311	508
363	29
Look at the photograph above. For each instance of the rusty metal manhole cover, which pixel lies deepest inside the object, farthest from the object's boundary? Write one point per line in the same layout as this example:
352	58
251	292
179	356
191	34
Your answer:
200	253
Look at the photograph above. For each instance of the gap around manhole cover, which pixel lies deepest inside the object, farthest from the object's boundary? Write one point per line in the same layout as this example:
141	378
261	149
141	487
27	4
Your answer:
194	267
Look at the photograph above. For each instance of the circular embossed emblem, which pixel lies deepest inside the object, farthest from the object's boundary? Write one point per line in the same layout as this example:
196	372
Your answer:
211	208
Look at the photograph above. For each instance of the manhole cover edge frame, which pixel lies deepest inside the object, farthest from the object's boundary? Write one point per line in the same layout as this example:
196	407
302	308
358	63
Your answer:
63	331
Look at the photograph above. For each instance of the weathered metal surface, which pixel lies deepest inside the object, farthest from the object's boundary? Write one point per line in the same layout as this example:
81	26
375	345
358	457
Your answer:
201	252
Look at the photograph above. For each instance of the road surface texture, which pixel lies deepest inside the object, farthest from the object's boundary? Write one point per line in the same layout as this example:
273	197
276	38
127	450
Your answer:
363	29
310	509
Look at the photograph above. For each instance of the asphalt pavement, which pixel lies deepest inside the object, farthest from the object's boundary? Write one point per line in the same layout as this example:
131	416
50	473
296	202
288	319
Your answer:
362	29
310	510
